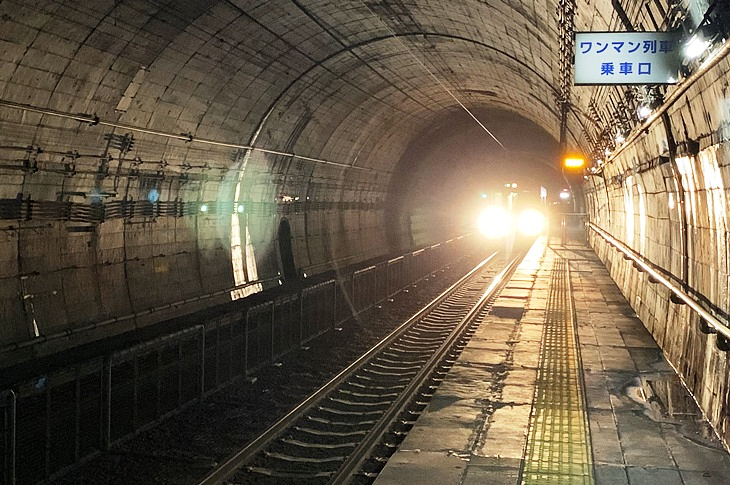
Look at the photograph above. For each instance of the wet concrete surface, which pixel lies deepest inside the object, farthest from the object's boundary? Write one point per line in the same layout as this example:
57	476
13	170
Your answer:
645	428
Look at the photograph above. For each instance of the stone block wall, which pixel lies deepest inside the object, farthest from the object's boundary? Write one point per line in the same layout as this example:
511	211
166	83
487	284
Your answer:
672	209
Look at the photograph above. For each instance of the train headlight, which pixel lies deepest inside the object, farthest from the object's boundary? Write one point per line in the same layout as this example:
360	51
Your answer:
494	222
531	222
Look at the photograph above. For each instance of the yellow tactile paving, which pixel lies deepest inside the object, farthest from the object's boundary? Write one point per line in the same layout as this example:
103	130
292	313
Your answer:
558	450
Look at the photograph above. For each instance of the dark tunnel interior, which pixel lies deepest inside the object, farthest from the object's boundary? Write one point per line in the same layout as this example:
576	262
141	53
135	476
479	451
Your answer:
164	163
436	189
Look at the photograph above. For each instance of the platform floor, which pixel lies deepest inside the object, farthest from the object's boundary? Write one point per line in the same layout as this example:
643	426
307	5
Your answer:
561	384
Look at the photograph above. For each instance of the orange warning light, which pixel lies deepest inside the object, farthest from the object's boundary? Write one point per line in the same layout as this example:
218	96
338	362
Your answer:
574	162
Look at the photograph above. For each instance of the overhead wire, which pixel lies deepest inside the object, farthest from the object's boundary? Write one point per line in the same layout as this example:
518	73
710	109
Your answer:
438	81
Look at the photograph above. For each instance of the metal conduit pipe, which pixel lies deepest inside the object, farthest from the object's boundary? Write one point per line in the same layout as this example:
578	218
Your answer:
328	264
332	264
72	331
721	327
124	354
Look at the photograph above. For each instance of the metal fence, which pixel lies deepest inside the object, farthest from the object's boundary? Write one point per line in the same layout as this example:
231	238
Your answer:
568	227
57	420
317	310
150	381
7	436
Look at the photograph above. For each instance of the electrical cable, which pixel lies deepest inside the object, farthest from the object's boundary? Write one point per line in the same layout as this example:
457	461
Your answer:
443	86
94	120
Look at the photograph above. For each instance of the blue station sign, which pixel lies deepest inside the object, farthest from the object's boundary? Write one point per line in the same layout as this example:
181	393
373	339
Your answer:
627	57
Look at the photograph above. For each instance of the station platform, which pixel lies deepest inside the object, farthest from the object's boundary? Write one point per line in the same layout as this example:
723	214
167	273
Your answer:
561	384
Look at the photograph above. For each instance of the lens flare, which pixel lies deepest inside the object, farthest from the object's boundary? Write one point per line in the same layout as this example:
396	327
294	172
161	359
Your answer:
494	222
531	222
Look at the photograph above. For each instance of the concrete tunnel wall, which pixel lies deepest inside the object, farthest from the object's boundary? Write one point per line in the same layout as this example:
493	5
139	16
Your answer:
120	121
332	98
672	209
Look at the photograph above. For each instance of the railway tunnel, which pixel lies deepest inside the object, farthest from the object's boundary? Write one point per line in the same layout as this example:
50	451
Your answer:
162	159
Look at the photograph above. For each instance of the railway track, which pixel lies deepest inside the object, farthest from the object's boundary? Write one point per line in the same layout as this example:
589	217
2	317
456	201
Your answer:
346	430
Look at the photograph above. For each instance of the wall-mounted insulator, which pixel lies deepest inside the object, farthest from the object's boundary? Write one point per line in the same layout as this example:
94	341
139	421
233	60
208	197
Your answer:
123	143
676	300
653	280
706	328
722	343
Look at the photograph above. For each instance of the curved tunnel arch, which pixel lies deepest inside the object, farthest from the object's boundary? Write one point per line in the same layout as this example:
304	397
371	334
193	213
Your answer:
368	42
219	71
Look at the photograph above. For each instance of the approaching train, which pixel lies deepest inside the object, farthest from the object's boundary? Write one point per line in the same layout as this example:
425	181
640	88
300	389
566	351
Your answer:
510	213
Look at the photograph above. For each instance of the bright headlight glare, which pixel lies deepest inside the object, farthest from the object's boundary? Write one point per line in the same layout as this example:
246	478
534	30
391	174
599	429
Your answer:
531	222
494	222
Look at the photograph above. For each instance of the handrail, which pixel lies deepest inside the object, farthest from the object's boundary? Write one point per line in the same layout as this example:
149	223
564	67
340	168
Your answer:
719	326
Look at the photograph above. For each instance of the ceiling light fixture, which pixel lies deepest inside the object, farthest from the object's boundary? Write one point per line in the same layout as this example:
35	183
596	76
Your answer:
695	47
644	111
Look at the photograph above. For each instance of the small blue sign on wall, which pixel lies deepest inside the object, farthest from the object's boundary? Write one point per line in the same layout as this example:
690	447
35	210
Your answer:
627	57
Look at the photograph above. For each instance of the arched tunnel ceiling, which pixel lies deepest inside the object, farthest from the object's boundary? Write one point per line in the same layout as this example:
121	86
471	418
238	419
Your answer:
155	153
348	82
150	148
320	79
319	90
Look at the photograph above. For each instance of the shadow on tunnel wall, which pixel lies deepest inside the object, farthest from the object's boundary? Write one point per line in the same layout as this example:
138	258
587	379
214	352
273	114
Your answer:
435	191
285	251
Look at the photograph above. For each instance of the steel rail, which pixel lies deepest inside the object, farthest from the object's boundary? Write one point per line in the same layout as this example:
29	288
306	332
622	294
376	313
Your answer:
719	326
232	464
364	449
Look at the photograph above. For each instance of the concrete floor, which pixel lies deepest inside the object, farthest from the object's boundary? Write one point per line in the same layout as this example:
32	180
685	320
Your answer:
644	426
